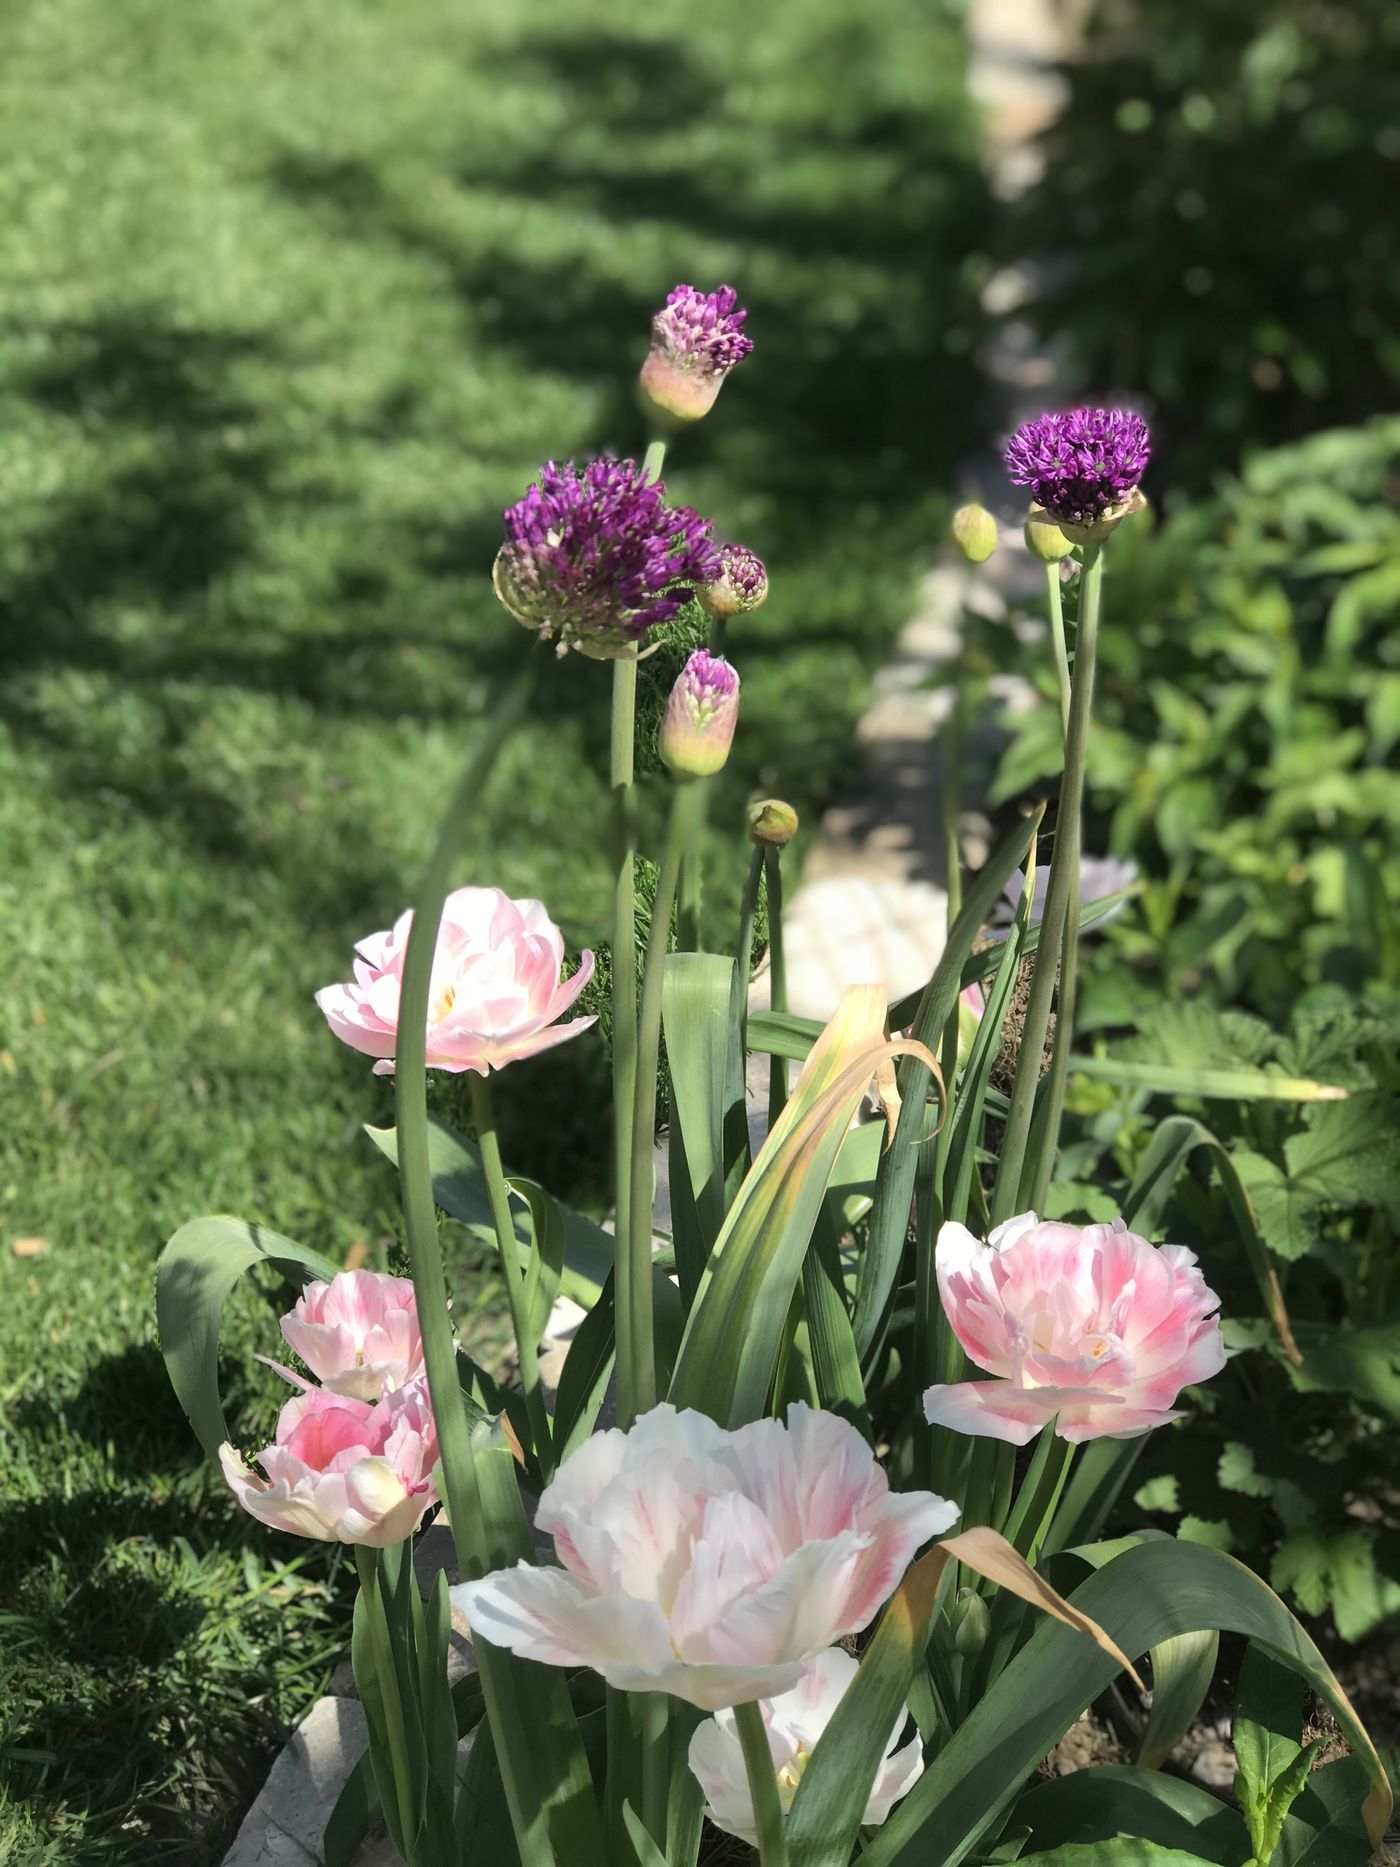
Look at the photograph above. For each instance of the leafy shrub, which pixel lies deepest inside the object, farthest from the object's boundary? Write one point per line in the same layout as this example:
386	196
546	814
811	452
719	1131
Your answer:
1255	143
1247	720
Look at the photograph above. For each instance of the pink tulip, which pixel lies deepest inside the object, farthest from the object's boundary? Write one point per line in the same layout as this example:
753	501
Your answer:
1089	1326
341	1470
705	1563
496	994
794	1721
358	1334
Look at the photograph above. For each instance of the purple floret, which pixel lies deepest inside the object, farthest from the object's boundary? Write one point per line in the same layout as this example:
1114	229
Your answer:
596	555
1081	463
708	679
703	329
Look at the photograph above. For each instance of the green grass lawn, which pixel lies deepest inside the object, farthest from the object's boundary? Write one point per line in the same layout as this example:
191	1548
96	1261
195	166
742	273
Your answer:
295	299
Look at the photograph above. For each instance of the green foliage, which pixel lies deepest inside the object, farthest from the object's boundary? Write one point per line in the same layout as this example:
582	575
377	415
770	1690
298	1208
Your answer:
1256	139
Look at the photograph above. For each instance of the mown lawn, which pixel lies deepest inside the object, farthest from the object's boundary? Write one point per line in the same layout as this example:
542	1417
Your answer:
295	298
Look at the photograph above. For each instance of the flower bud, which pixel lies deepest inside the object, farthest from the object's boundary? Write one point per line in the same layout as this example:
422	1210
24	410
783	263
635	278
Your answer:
697	728
1044	537
976	532
772	822
696	340
742	583
1094	531
970	1623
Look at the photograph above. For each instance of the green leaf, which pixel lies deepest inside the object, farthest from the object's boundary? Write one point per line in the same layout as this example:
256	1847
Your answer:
1269	1708
459	1188
588	1368
545	1264
1324	1827
197	1270
1182	1669
1338	1569
349	1821
1236	1471
1125	1852
1113	1800
1364	1362
894	1187
734	1331
1349	1154
1225	1085
1146	1595
695	1015
1288	1213
645	1849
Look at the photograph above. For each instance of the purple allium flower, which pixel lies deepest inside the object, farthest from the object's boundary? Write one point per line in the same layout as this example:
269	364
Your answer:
1082	464
742	583
596	557
702	711
696	339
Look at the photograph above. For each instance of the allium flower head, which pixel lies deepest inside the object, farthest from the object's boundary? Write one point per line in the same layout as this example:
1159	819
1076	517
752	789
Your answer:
702	711
772	822
595	556
742	583
696	339
1082	466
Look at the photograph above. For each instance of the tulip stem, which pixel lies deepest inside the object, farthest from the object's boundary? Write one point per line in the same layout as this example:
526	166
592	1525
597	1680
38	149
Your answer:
1064	870
526	1345
1057	636
685	799
367	1564
777	961
763	1786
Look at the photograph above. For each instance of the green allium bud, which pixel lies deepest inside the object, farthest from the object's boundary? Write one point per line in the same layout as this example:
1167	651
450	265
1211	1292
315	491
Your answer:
1044	537
976	532
772	822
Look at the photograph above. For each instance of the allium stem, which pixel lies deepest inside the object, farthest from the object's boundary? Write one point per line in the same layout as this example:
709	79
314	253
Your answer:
743	960
641	1192
1057	636
763	1786
475	1547
624	1010
526	1347
624	1018
1086	641
1064	872
777	962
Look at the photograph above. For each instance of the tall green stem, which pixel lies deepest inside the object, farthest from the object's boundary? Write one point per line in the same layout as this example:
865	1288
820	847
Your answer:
1036	1181
474	1555
763	1786
624	1007
743	958
1057	636
777	963
640	1196
526	1347
621	771
1064	870
387	1679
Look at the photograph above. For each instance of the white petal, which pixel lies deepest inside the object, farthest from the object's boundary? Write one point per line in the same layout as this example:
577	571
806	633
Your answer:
545	1614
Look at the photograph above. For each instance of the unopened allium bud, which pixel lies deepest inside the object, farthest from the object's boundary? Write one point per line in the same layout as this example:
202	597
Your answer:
971	1623
772	822
1044	537
697	727
976	532
742	583
1083	467
696	339
596	557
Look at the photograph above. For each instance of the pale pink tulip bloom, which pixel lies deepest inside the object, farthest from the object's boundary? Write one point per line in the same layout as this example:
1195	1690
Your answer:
705	1563
341	1470
1089	1326
358	1334
495	996
794	1721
